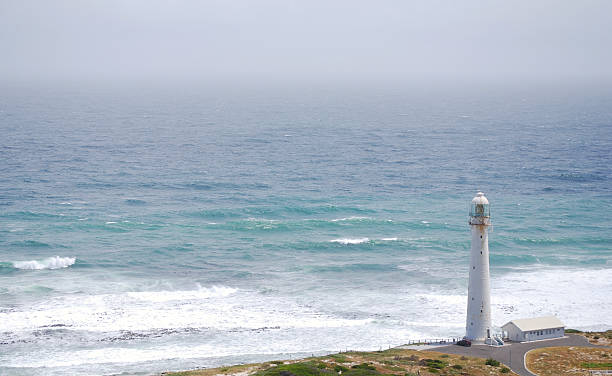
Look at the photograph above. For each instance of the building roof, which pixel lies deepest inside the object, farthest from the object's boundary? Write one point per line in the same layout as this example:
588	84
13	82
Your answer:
537	323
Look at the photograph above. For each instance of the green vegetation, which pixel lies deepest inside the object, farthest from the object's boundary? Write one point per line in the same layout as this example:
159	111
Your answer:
393	362
596	365
505	370
339	368
297	369
574	331
340	358
434	363
492	362
361	372
364	366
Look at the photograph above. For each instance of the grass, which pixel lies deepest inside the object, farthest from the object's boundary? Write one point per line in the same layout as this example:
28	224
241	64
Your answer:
393	362
597	338
554	361
311	368
597	365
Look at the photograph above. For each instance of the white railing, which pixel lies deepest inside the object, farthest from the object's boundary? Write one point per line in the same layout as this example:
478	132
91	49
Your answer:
430	341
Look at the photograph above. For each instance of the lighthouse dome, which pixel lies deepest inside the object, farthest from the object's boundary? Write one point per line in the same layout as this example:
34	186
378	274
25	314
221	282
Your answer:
480	199
480	206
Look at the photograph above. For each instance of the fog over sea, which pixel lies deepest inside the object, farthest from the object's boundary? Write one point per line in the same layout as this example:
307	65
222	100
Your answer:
156	228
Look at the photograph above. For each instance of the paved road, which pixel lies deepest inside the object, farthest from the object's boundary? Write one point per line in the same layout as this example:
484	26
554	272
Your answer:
513	355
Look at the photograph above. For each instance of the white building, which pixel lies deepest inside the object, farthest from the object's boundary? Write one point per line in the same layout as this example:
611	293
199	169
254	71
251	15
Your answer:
524	330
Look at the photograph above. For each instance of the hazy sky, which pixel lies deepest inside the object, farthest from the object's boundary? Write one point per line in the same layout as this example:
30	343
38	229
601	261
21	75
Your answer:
305	40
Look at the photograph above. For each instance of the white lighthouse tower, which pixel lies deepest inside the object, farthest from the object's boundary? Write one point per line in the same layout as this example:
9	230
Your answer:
478	323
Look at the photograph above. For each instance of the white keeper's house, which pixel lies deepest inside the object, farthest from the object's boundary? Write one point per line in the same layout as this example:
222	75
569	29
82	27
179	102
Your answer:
524	330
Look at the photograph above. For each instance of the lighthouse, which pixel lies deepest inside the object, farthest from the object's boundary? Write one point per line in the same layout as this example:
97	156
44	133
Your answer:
478	323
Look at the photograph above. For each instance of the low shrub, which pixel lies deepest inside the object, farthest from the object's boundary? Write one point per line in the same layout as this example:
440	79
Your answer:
340	358
457	366
505	370
433	363
297	369
339	368
492	362
364	366
361	372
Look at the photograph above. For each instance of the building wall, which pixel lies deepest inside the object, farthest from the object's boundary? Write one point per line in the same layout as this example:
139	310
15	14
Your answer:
515	334
534	335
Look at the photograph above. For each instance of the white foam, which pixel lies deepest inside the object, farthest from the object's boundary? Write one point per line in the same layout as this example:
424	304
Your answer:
579	297
221	307
55	262
168	296
110	222
347	241
389	239
352	218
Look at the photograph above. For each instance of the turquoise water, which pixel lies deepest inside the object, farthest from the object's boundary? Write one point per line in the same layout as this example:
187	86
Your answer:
150	229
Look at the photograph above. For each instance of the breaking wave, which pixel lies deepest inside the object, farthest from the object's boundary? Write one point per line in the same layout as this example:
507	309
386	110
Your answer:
347	241
55	262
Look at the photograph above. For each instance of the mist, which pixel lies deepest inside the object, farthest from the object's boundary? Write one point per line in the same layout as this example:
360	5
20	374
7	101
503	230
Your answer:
305	41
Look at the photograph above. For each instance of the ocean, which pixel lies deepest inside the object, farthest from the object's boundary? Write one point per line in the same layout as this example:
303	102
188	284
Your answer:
153	228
